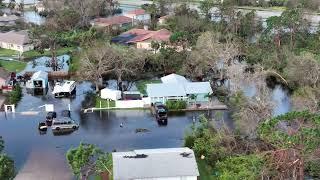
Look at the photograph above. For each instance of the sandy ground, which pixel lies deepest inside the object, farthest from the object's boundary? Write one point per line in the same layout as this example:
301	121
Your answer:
45	164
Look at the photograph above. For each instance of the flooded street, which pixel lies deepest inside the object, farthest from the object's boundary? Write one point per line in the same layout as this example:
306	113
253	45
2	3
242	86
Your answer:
23	140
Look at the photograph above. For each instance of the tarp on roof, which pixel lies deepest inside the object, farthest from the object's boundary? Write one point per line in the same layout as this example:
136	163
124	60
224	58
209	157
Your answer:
40	75
174	78
197	88
165	90
112	94
154	164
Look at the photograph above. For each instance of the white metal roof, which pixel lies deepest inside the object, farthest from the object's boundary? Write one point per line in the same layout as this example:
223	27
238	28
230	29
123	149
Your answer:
40	75
66	86
165	90
197	88
173	78
157	163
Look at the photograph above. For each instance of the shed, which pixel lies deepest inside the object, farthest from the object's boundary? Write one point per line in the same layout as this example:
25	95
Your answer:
112	94
39	80
173	78
155	164
161	92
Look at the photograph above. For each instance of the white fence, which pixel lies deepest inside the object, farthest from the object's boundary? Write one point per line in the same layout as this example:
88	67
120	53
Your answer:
130	104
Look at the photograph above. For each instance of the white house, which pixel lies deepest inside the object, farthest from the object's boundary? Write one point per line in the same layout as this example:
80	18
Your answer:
138	15
155	164
176	87
16	40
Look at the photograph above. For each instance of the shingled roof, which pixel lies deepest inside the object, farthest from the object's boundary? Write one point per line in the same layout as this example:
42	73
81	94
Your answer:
147	35
15	37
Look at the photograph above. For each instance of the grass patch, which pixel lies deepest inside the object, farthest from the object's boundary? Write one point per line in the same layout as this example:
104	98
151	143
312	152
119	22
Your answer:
142	85
13	66
29	55
273	8
8	52
104	103
204	170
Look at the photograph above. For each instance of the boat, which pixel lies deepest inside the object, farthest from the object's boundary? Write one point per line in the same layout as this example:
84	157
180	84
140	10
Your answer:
64	89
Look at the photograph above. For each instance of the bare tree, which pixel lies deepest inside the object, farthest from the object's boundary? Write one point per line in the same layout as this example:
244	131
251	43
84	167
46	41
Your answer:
96	62
130	63
303	70
215	52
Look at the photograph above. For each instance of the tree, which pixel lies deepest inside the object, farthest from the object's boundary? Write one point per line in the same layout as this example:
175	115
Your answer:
206	6
7	170
274	25
215	53
96	62
292	20
303	70
306	99
12	4
87	159
129	64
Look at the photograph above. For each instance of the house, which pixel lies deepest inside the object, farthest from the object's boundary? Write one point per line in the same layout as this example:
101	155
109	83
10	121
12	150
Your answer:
155	164
138	16
8	20
142	38
113	22
4	76
16	40
176	87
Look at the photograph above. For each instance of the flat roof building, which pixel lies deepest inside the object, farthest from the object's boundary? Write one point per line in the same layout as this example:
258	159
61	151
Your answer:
155	164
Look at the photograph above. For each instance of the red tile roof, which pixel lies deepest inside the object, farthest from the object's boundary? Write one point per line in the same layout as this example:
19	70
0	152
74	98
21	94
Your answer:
147	35
115	20
137	12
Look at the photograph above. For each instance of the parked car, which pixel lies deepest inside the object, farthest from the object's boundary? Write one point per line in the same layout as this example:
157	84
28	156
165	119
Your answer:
161	113
64	124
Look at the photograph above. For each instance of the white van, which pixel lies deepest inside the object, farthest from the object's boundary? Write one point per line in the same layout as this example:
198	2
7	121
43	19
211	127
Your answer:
64	124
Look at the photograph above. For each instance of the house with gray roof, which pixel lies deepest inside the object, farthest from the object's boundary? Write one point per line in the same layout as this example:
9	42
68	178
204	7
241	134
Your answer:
8	20
155	164
16	40
176	87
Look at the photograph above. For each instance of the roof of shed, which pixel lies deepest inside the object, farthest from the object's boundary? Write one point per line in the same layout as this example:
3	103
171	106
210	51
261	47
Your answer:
154	163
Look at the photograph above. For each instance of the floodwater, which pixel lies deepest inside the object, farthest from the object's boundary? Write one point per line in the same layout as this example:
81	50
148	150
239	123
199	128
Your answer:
33	17
23	140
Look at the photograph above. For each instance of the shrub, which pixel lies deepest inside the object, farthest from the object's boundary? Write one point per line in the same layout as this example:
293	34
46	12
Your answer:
240	167
15	95
176	105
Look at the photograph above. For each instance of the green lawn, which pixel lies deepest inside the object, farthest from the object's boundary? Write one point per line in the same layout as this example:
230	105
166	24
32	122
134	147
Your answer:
142	85
104	103
29	55
13	66
204	170
8	52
